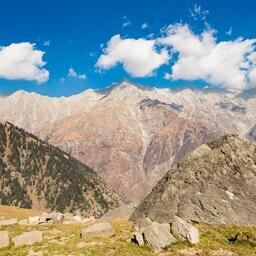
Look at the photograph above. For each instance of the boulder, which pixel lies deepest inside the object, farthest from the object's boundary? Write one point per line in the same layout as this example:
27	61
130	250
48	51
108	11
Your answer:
158	235
33	220
8	222
98	229
215	184
28	238
55	217
4	239
184	230
138	238
123	212
23	222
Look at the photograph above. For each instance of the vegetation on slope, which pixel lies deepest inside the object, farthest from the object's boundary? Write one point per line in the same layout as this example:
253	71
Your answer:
35	174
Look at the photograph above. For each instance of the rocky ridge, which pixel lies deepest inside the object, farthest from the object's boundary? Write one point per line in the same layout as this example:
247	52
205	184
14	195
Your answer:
214	185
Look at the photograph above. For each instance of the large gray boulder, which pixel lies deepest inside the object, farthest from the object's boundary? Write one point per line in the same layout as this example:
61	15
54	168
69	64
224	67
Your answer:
4	239
214	185
28	238
98	229
184	230
8	222
158	235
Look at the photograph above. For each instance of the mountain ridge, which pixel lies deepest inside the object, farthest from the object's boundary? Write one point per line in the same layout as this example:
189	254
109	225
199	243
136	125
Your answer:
37	175
126	131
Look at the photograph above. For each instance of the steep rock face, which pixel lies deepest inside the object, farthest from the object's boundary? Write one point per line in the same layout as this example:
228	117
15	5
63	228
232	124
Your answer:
252	133
129	143
34	174
215	184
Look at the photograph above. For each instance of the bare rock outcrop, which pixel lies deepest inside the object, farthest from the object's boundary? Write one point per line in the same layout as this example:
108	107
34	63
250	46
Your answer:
215	184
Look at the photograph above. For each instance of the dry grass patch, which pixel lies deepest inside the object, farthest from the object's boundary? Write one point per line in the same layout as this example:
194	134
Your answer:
10	212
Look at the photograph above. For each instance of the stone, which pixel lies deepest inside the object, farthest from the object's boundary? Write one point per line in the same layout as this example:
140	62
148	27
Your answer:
33	220
4	239
23	222
138	238
54	232
98	229
158	236
8	222
123	212
28	238
184	230
211	186
55	217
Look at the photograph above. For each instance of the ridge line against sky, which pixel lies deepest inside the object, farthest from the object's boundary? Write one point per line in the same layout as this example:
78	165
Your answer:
187	47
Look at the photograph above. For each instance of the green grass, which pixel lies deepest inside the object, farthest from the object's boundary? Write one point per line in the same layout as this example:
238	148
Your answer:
213	238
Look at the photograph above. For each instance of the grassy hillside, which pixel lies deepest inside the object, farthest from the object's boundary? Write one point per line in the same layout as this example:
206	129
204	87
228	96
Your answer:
214	240
35	174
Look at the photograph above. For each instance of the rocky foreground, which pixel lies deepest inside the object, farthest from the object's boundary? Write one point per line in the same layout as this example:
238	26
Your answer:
117	237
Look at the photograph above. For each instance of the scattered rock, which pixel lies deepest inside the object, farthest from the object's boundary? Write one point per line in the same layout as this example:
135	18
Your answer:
33	253
23	222
33	220
184	230
73	219
28	238
222	252
190	252
158	236
242	237
87	244
54	232
138	238
4	239
98	229
143	224
8	222
122	212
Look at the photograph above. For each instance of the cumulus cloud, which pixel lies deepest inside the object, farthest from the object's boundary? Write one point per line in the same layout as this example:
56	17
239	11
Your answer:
230	64
74	74
139	57
23	62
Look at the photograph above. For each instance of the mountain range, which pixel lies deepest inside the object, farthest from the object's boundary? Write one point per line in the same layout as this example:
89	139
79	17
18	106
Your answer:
131	134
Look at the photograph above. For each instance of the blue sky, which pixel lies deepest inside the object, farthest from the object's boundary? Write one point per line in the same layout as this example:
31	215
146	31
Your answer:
74	34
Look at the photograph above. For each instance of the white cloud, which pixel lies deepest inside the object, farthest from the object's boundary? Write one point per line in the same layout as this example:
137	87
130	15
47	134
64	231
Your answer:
47	43
139	57
230	64
197	13
21	61
74	74
144	25
229	32
126	22
82	77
